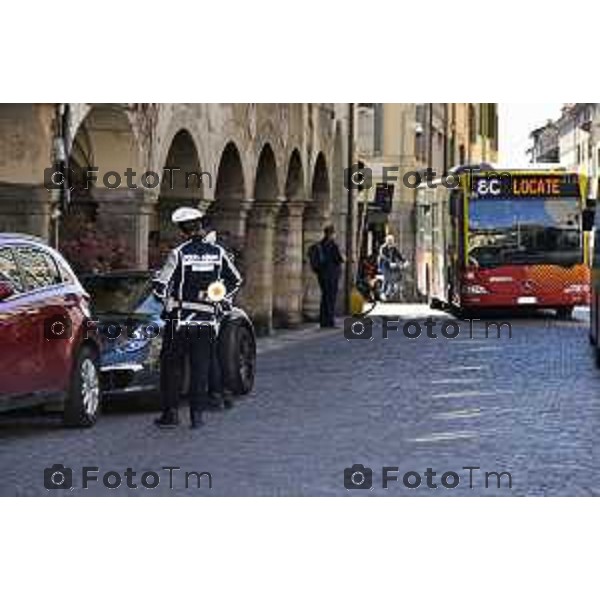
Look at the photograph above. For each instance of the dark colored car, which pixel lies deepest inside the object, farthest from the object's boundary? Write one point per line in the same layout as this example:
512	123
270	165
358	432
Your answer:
46	351
130	326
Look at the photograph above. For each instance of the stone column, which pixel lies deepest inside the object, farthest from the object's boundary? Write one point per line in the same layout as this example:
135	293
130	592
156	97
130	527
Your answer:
257	294
127	213
287	302
314	220
340	222
229	219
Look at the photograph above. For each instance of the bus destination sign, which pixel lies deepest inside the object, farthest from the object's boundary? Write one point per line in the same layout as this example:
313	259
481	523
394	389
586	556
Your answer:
519	185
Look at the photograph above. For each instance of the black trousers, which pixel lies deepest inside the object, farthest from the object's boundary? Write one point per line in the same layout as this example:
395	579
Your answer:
191	345
215	376
329	291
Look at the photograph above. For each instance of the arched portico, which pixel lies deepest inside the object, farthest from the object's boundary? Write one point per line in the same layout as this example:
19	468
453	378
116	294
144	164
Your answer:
260	234
287	264
181	184
108	215
227	213
316	215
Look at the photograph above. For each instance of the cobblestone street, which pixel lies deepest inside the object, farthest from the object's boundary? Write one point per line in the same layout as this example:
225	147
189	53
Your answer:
526	405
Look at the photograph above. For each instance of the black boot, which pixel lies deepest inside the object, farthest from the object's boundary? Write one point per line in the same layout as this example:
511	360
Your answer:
196	419
169	418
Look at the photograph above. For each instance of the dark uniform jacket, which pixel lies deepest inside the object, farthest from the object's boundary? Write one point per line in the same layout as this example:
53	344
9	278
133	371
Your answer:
189	270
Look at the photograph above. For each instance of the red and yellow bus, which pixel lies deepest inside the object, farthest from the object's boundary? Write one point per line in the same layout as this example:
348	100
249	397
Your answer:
504	240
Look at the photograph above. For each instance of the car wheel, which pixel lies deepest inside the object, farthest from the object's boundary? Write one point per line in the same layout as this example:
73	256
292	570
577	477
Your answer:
436	304
83	401
237	349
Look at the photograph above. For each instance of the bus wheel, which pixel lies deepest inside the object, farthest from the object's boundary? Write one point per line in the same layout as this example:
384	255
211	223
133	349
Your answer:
564	312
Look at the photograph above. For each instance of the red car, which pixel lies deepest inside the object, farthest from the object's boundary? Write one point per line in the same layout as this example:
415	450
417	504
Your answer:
46	352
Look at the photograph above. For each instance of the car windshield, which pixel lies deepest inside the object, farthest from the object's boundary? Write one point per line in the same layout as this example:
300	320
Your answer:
121	294
509	231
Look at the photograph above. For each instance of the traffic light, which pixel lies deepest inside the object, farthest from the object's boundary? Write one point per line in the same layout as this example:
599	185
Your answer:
384	192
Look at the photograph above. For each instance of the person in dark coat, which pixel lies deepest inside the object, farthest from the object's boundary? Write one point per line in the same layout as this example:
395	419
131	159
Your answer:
327	263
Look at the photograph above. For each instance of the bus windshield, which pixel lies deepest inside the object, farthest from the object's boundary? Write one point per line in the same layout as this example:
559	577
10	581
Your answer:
533	230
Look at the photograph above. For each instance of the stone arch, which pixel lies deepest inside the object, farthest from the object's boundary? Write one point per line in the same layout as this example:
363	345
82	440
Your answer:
294	184
266	186
104	140
321	192
230	185
168	122
227	213
316	215
182	183
287	260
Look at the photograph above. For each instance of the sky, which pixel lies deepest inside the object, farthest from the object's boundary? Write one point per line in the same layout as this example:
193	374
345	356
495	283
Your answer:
515	122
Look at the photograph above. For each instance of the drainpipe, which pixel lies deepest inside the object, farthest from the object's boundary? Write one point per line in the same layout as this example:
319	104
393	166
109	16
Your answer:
61	196
350	214
446	138
430	137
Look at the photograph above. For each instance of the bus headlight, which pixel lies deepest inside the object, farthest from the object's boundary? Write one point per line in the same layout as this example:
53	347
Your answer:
216	291
577	288
474	290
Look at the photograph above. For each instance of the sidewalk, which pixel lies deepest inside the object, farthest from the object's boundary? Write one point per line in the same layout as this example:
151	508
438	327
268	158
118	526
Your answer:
282	338
405	310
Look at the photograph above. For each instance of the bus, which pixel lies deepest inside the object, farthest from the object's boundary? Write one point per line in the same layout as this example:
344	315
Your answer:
503	240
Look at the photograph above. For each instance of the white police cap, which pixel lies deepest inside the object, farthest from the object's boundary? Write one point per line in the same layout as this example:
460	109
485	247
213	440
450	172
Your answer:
186	213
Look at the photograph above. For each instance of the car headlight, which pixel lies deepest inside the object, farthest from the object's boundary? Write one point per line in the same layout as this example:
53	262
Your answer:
216	291
474	290
135	341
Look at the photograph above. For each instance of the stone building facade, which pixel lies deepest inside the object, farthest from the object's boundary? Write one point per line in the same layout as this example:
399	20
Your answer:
270	176
411	137
572	140
545	144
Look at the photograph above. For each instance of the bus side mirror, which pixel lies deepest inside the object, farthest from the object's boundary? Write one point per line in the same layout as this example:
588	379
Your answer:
587	219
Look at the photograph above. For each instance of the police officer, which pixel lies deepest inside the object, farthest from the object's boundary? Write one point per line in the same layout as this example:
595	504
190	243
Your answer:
182	285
